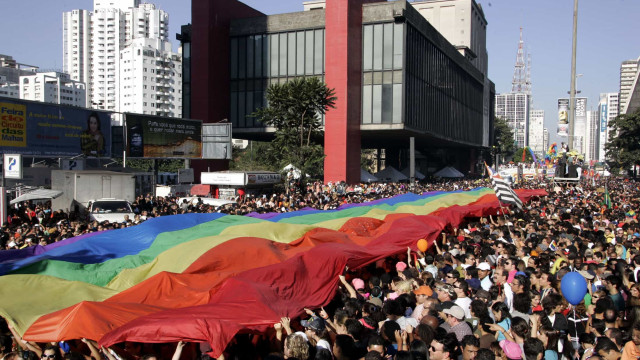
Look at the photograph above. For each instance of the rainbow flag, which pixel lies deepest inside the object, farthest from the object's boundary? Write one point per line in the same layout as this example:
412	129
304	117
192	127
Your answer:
206	277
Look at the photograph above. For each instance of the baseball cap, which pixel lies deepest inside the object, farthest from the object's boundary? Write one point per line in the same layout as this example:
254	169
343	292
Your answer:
587	274
484	266
423	290
400	266
314	323
455	311
375	301
511	349
357	283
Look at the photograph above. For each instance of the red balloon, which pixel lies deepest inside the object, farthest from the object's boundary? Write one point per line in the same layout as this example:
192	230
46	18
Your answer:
423	245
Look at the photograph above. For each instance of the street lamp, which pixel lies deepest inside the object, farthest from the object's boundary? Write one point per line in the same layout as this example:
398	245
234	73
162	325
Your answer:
572	105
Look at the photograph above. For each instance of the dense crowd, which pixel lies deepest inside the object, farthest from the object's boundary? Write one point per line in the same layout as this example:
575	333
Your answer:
32	224
490	289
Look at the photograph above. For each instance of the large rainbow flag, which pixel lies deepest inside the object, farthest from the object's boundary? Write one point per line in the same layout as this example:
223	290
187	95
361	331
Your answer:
207	277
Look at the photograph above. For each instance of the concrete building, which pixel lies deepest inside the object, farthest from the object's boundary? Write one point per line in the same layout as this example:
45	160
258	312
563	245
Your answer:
515	109
151	80
76	47
607	111
633	101
592	136
536	132
394	74
628	75
95	41
10	90
11	70
53	87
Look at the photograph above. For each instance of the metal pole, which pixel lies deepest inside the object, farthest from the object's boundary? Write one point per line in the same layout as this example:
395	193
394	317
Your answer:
572	96
412	161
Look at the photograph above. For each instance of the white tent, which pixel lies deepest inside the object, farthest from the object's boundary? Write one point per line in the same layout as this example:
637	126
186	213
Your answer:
449	172
390	174
418	174
294	171
365	176
37	194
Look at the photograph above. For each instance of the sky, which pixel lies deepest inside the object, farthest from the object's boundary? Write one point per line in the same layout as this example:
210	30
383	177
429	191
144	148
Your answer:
607	35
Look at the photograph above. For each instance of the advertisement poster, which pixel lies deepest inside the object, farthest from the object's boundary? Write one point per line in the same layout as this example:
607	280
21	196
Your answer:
41	129
563	117
161	137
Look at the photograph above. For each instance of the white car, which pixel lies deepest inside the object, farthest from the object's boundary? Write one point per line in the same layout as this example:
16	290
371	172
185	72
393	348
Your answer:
112	210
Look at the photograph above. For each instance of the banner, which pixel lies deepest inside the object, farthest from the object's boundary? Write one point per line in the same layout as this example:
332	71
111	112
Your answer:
41	129
161	137
563	117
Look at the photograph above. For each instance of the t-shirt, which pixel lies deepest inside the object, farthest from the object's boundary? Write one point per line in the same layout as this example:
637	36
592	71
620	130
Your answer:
465	304
506	325
630	351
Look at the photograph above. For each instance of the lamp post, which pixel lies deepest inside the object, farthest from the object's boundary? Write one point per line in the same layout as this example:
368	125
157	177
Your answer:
572	105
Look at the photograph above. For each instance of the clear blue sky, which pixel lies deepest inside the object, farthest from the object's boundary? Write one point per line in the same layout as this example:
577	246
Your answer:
608	33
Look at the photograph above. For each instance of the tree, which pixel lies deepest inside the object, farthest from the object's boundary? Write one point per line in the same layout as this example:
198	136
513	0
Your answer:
623	147
517	156
503	138
256	156
295	109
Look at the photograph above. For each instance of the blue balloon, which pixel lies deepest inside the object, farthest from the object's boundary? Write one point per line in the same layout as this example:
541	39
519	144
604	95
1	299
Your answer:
574	287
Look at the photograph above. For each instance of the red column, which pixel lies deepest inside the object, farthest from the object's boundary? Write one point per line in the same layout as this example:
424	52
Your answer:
343	72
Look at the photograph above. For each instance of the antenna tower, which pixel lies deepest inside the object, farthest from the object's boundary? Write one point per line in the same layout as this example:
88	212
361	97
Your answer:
519	84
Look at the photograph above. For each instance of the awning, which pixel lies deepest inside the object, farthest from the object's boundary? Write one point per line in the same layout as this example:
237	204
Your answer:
37	195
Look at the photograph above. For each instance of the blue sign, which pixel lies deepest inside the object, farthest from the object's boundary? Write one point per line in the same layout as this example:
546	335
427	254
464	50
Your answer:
42	129
603	118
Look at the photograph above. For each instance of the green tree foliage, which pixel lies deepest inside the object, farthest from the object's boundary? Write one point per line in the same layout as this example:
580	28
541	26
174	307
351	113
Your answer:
623	148
295	109
503	135
517	156
256	156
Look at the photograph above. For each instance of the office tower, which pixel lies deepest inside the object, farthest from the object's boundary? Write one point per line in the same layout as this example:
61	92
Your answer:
607	110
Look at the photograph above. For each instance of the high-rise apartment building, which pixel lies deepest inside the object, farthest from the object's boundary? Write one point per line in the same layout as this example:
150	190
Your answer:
96	42
592	136
147	85
607	111
53	87
628	74
514	108
536	132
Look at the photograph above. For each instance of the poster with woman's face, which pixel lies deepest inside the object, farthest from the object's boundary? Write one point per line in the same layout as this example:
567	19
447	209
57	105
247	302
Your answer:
563	117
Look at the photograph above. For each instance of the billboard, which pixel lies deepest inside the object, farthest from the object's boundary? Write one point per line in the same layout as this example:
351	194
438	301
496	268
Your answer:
216	141
563	117
41	129
161	137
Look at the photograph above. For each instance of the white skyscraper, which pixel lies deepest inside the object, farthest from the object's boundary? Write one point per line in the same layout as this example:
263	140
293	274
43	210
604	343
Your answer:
608	110
95	52
592	136
514	108
536	132
628	74
151	83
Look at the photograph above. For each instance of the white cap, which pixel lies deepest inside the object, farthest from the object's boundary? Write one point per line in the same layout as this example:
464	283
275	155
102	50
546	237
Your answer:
484	266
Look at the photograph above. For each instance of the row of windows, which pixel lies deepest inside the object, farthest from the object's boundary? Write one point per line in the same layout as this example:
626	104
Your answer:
441	97
382	46
278	55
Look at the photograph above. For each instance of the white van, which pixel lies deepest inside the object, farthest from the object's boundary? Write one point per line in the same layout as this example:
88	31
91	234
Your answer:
109	209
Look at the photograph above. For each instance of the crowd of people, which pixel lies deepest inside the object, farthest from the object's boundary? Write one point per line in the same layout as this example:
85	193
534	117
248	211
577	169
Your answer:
487	290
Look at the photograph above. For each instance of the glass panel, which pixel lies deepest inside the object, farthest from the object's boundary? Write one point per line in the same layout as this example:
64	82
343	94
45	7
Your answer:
387	103
249	106
366	104
275	54
266	61
241	109
388	46
397	103
250	58
398	44
234	58
377	104
300	53
367	51
283	54
258	52
318	52
292	54
242	56
377	47
308	52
